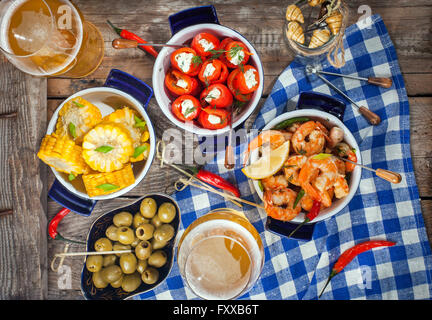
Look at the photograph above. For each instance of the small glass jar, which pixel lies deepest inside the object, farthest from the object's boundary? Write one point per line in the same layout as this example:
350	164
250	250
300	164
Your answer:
306	55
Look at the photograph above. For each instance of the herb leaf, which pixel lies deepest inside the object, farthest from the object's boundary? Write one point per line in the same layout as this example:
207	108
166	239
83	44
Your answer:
71	177
139	123
107	187
196	60
322	156
139	150
72	130
189	111
104	149
79	105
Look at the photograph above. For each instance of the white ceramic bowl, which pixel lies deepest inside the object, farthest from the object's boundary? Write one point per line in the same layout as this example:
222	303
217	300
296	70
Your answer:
107	100
329	121
162	65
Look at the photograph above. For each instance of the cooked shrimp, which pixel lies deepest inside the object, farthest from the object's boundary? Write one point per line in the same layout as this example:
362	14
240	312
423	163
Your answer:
279	204
306	201
344	150
309	138
341	188
292	168
273	137
275	182
341	166
317	176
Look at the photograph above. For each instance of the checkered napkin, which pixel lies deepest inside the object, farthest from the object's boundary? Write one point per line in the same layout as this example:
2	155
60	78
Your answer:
379	210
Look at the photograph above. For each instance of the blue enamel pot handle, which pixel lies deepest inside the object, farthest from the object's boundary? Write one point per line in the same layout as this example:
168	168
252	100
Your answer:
128	84
192	16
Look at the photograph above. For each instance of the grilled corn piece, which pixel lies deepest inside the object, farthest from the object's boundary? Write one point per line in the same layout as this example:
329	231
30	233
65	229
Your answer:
137	128
62	154
98	184
76	118
107	147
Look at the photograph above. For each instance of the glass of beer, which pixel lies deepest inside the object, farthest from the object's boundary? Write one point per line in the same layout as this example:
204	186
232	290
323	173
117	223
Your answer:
49	38
220	255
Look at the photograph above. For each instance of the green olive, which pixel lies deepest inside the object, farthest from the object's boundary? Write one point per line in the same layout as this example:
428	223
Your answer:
94	263
156	221
164	233
128	263
123	219
148	208
111	233
126	235
111	273
150	275
166	212
98	280
139	219
131	282
109	260
119	246
157	259
143	250
141	265
117	283
158	244
145	231
103	244
135	242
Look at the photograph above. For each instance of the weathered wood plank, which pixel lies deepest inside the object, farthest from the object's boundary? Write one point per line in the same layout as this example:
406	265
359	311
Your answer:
23	244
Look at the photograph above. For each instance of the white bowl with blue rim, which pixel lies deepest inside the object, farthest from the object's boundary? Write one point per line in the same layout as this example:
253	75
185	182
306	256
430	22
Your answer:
329	111
120	89
185	25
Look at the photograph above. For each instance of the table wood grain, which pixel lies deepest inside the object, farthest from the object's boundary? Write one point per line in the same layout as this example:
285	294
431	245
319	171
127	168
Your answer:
25	249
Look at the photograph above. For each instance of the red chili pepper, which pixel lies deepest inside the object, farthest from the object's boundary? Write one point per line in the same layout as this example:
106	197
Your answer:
125	34
217	181
348	255
52	227
312	214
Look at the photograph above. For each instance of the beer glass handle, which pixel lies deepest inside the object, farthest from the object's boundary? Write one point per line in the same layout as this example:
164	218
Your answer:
129	84
69	200
192	16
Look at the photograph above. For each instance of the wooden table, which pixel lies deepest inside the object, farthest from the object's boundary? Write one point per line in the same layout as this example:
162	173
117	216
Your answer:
25	250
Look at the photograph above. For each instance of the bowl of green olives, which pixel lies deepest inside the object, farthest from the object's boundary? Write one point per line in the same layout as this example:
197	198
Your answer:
146	231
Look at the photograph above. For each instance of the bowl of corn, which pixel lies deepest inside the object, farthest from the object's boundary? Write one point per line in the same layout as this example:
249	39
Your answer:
99	143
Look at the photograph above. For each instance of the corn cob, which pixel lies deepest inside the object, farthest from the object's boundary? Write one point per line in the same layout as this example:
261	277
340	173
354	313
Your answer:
107	147
132	122
76	118
98	184
62	154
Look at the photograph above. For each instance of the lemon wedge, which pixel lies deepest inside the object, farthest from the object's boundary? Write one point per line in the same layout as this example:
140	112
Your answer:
268	164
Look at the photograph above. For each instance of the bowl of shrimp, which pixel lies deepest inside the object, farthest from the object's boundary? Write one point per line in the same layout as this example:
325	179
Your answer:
315	169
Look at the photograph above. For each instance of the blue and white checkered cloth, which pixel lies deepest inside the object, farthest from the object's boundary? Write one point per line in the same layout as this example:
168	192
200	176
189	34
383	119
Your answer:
379	210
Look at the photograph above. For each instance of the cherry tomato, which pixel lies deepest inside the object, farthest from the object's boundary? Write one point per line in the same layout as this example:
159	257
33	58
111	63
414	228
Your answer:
247	81
186	108
236	53
187	61
179	83
217	95
213	119
203	42
232	86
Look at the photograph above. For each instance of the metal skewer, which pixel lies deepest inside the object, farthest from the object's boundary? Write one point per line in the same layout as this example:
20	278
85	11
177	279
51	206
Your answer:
390	176
382	82
372	117
128	44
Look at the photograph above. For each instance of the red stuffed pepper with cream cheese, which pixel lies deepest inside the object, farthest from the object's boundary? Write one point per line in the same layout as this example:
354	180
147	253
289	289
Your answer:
217	95
204	43
186	108
179	83
213	118
247	80
187	61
